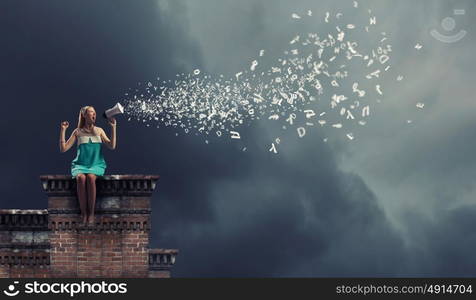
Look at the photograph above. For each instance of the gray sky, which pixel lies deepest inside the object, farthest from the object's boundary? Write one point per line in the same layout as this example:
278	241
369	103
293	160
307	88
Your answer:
396	201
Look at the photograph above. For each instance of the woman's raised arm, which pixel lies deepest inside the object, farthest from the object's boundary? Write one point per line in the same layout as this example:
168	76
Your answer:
110	143
63	144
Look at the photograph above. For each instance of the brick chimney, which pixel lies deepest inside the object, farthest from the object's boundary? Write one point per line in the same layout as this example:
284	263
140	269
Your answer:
54	243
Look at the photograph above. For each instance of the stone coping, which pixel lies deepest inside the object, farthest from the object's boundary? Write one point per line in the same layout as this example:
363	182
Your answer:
163	251
23	211
127	184
105	177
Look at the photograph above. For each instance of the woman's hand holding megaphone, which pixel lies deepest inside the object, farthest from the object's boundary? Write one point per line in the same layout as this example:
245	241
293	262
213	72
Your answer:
112	122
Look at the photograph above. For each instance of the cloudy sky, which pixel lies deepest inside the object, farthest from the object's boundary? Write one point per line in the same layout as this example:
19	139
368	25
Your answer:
399	200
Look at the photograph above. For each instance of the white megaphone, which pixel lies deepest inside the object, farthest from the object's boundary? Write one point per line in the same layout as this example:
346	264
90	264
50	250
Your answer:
117	109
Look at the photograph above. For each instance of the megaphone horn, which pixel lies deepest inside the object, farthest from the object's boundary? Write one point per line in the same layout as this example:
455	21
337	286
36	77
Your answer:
117	109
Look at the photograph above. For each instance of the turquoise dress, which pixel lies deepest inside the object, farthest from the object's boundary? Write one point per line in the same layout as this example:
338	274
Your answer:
89	158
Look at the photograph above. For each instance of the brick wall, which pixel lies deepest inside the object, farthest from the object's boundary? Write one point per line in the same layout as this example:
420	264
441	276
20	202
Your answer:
24	243
117	245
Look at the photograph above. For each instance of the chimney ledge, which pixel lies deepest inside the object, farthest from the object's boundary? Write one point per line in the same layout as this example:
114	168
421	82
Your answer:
105	177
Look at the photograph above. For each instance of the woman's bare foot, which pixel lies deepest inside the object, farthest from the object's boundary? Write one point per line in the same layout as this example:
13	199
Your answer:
91	219
84	219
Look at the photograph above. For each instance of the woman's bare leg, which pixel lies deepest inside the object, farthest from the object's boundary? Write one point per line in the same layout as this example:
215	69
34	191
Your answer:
81	190
91	187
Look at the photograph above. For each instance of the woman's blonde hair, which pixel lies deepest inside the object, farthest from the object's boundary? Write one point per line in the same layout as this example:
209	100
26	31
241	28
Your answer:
82	114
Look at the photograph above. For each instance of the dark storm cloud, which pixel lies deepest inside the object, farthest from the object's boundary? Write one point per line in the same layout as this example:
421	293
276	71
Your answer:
282	218
409	174
444	244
